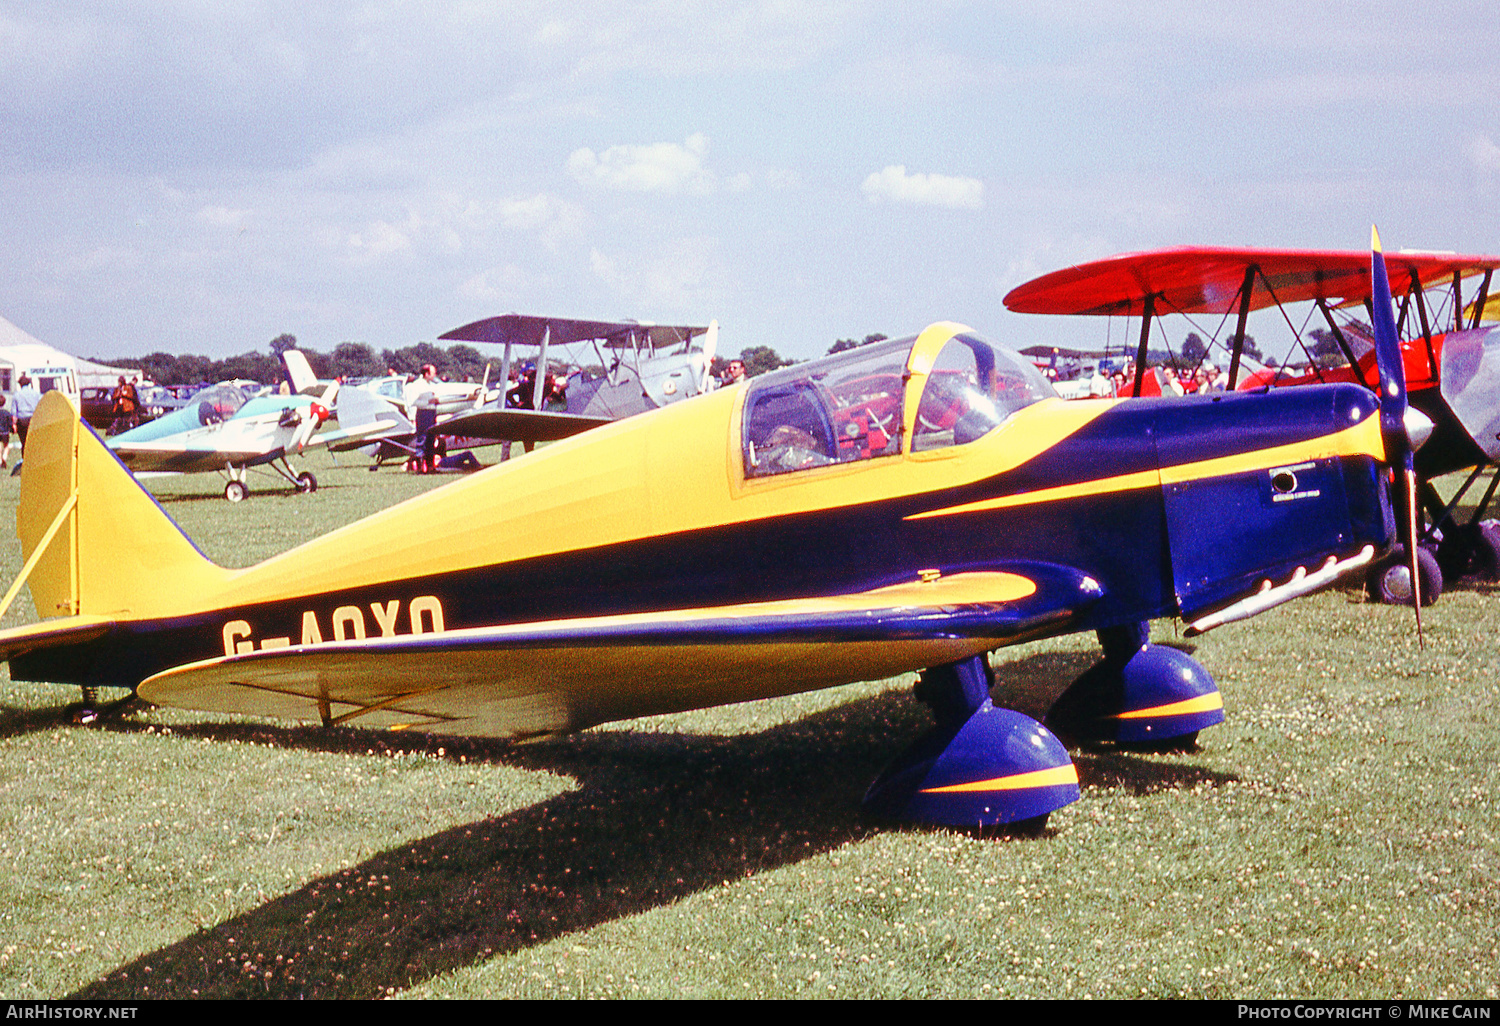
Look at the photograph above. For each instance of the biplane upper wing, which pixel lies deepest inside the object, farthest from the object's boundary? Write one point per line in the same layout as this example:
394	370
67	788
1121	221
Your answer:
527	330
540	678
1204	279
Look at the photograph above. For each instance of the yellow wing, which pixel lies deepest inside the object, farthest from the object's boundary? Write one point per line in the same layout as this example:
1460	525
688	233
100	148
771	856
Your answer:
544	678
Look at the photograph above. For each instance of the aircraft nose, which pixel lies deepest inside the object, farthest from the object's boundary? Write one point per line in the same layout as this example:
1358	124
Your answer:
1418	426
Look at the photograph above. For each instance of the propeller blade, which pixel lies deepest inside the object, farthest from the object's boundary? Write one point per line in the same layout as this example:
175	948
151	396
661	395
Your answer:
1393	409
1388	360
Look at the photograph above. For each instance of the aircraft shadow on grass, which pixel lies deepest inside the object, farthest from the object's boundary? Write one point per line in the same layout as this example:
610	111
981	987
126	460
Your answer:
656	818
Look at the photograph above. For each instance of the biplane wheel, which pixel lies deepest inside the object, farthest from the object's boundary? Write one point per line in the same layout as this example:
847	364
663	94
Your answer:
235	491
1486	563
306	482
1390	582
1470	550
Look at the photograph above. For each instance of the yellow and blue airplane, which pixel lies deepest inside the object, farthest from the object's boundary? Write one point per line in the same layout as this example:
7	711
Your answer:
910	505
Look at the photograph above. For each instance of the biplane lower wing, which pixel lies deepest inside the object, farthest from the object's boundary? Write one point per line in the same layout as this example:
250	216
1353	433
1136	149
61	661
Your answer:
383	423
544	678
512	425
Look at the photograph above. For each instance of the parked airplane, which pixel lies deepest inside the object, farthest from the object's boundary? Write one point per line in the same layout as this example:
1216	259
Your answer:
401	390
904	506
1453	374
224	429
633	375
641	366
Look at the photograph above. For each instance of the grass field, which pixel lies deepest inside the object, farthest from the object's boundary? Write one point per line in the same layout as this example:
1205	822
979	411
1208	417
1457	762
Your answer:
1337	837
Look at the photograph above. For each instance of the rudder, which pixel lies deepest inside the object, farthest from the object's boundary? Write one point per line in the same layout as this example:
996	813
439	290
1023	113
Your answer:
112	551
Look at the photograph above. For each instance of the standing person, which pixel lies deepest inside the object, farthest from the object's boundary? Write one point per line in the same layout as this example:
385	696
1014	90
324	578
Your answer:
126	407
426	424
26	399
133	385
1169	382
7	425
734	373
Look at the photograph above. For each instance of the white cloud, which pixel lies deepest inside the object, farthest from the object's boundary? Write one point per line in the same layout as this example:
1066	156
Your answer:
894	184
224	217
504	286
779	179
1485	154
549	219
676	278
656	167
378	240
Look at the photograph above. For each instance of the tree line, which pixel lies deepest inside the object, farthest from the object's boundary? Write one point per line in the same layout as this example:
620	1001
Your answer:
348	360
359	360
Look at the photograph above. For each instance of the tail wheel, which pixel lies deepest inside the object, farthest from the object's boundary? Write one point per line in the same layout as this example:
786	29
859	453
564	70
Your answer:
306	482
1390	582
236	491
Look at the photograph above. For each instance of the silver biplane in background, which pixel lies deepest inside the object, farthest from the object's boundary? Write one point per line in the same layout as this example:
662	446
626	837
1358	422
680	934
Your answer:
639	366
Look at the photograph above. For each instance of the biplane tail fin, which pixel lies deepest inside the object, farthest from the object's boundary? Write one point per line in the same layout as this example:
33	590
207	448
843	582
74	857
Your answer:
95	542
298	371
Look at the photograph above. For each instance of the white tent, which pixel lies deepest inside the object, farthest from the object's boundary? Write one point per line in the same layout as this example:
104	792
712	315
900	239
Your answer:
51	368
100	375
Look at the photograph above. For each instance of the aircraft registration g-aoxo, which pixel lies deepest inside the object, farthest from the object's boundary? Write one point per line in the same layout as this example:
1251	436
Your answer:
905	506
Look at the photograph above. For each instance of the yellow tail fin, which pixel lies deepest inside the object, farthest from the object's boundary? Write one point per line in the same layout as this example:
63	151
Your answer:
100	544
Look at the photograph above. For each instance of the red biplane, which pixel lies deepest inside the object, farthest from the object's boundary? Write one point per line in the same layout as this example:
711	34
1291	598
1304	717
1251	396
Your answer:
1452	362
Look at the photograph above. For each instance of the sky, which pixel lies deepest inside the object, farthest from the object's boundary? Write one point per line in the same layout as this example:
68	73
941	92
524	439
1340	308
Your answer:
202	176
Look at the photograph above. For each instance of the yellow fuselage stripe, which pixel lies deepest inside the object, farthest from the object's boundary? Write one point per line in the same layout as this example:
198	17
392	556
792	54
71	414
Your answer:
1036	778
1203	703
1363	437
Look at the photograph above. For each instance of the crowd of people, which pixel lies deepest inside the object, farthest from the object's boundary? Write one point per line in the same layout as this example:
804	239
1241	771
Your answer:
1163	379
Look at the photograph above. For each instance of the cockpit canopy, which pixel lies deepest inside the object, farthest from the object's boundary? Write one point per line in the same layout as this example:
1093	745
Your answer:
216	403
853	406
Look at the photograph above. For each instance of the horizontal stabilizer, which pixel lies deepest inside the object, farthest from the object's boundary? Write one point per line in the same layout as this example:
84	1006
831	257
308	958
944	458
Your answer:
35	637
367	417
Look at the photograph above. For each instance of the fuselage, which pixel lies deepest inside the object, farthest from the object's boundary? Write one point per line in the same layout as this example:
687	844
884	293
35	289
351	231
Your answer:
1172	506
220	426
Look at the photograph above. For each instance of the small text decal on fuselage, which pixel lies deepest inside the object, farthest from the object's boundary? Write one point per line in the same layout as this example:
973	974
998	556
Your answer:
422	615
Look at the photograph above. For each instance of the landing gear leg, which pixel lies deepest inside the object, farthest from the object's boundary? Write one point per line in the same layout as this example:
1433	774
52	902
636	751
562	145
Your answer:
236	490
303	482
90	708
979	766
87	711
